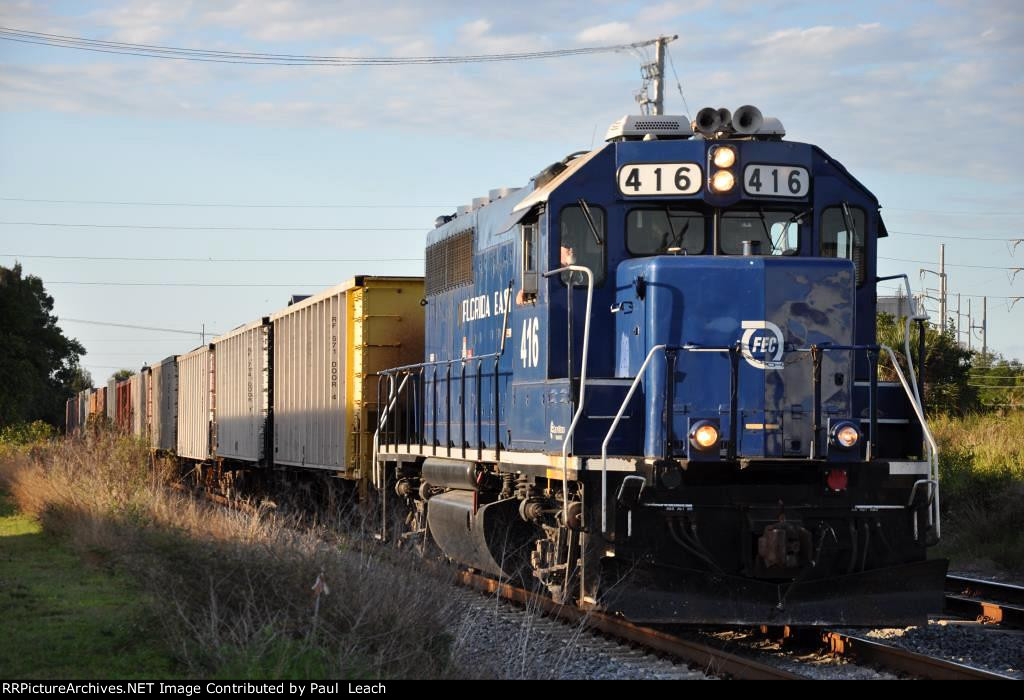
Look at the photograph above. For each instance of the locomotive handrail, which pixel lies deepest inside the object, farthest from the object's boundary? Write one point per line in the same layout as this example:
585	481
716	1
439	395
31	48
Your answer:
932	482
689	347
393	395
872	352
933	450
611	431
583	381
920	316
378	476
934	517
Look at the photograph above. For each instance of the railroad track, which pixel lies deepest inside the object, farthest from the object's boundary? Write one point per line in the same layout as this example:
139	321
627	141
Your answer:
705	656
717	661
713	659
986	601
869	651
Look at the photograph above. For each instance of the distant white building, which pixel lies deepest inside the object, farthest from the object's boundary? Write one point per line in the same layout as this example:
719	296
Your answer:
897	306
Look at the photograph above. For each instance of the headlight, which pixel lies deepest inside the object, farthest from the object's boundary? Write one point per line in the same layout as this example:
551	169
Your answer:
725	157
845	435
704	435
722	181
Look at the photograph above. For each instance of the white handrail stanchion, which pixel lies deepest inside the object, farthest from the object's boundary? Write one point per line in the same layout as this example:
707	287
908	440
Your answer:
611	431
933	513
583	381
380	478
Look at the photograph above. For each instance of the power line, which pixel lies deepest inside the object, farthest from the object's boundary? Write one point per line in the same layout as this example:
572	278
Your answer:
88	365
679	83
244	205
932	262
957	213
162	227
257	58
965	238
209	228
954	293
229	205
135	327
198	284
96	258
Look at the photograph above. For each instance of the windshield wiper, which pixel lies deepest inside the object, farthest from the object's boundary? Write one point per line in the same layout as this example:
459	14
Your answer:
767	233
795	219
676	241
851	227
590	220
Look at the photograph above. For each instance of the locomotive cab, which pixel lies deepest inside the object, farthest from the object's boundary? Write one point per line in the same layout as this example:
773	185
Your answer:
659	365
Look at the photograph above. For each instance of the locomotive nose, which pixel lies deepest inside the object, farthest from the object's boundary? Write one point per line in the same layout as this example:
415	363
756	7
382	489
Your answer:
733	338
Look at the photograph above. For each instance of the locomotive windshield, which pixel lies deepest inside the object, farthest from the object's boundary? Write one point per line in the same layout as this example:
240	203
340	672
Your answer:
842	236
579	246
776	232
659	231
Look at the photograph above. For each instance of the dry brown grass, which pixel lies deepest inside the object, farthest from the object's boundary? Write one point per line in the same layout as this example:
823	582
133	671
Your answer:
233	589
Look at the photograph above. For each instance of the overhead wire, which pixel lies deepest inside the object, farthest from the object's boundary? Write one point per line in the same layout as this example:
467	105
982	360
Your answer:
245	205
123	258
162	227
133	326
195	284
965	238
956	213
679	83
949	264
231	205
281	59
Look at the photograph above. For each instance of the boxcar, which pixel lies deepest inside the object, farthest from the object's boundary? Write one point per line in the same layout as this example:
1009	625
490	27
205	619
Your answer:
243	392
326	350
195	387
111	394
163	405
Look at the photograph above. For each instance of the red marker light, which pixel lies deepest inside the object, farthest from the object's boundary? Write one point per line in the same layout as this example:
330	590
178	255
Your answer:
837	479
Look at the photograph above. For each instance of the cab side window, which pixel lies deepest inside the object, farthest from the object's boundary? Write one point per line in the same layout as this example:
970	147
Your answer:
578	244
528	251
843	234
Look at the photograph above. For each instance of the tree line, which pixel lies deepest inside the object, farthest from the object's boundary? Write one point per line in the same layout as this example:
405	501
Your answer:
40	370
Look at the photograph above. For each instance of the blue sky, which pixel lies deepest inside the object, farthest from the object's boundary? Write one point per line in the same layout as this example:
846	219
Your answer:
924	102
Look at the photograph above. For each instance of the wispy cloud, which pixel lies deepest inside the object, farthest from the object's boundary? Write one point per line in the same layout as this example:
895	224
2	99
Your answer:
878	89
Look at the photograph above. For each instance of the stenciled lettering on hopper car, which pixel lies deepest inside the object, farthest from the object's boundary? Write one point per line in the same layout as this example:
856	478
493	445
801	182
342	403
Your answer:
334	358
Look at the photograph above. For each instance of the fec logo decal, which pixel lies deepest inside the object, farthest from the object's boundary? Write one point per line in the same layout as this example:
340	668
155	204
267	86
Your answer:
762	344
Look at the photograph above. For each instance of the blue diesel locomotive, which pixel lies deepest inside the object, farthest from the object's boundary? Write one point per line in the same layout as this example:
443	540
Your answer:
650	384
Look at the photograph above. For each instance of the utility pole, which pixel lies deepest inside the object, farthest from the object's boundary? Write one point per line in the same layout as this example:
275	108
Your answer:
959	333
943	291
942	278
654	74
984	328
204	335
970	327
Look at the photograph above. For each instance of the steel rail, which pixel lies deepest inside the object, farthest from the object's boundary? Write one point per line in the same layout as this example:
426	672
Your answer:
706	657
986	601
897	659
714	661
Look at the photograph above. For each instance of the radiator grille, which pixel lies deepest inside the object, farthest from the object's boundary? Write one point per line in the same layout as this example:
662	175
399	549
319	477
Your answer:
450	263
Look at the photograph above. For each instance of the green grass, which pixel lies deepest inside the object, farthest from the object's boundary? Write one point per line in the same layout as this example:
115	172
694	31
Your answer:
65	619
981	460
